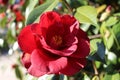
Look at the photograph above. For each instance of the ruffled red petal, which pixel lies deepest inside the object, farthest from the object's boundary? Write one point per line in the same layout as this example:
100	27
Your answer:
47	20
41	63
70	24
74	65
83	45
26	39
26	60
65	52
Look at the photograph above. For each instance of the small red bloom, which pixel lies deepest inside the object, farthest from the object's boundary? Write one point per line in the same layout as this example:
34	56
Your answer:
55	45
2	15
19	16
3	2
41	1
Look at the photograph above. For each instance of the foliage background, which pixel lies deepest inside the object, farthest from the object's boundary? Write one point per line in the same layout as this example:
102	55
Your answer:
99	18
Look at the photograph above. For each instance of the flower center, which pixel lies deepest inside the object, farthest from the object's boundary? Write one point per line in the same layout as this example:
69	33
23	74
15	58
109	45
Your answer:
57	40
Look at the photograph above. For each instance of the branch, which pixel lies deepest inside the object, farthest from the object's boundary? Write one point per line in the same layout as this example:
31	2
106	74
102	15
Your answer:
94	67
95	36
68	6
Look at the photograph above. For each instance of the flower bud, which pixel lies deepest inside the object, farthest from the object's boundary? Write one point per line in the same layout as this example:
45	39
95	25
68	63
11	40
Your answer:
105	14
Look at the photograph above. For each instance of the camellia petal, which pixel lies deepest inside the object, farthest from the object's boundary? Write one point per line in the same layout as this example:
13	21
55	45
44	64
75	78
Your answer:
26	40
74	65
26	60
41	63
65	52
35	28
47	20
83	45
67	20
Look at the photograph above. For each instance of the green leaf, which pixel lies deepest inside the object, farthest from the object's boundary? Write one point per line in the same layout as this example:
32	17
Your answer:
10	38
30	7
114	76
93	45
48	6
117	14
108	77
116	29
99	55
11	2
86	77
110	41
96	57
77	3
87	14
2	9
107	36
85	27
116	34
18	73
111	21
101	50
3	22
98	64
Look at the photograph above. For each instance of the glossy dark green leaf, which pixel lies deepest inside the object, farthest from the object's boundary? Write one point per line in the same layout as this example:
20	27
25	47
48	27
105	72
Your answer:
48	6
101	50
99	55
96	57
77	3
30	7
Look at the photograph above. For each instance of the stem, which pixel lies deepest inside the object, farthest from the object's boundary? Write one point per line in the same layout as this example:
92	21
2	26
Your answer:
95	36
87	72
68	6
94	67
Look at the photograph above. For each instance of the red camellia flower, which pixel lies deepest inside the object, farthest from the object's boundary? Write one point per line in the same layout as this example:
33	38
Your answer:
3	2
55	45
19	16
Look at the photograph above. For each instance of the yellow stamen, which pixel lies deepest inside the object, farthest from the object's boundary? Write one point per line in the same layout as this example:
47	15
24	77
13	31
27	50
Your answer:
57	40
